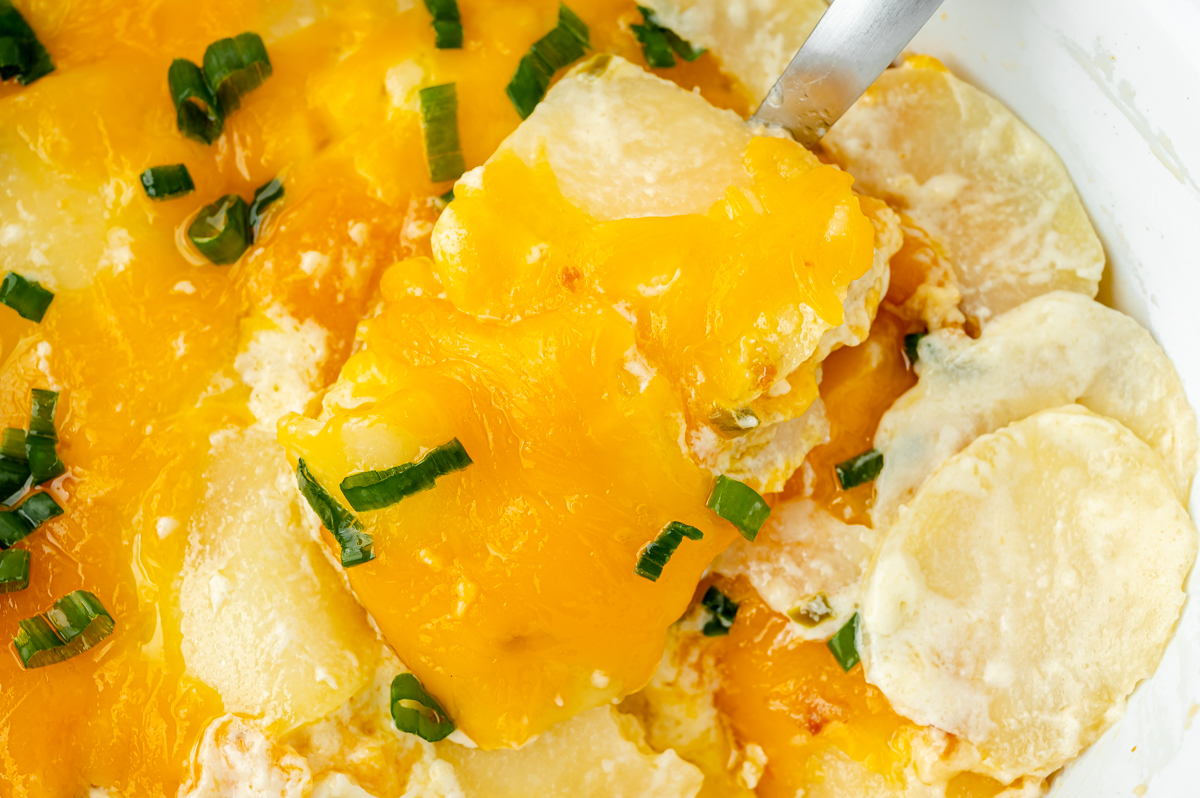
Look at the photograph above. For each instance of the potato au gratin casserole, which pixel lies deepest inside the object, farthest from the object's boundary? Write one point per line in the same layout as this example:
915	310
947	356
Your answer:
461	398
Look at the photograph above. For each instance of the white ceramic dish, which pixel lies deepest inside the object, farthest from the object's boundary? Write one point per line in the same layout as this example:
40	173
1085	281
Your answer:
1114	87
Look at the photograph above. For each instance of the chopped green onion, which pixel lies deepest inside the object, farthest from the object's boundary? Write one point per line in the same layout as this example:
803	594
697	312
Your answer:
844	644
654	555
374	490
357	546
723	609
447	25
655	47
41	413
12	445
859	470
77	622
439	116
14	570
22	56
197	113
235	67
18	524
740	505
40	449
264	195
910	346
684	49
37	509
558	48
812	611
14	466
167	182
417	712
222	230
27	297
448	197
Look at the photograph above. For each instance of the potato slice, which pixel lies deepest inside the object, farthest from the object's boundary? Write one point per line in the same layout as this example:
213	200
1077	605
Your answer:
754	40
964	168
1032	582
267	620
1053	350
598	753
802	552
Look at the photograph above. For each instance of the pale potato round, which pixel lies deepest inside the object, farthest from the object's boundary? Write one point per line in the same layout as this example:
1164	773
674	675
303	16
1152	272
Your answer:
1032	582
1056	349
984	185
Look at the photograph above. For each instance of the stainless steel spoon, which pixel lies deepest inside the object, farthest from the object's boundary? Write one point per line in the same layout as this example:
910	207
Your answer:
851	46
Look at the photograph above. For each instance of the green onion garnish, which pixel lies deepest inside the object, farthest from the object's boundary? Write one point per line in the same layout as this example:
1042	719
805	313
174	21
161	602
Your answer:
859	470
264	195
447	25
18	524
812	611
357	546
374	490
558	48
439	116
27	297
77	622
14	466
222	230
740	505
844	644
448	197
723	609
198	115
683	48
14	570
910	346
22	56
41	413
416	712
40	443
654	555
167	182
235	67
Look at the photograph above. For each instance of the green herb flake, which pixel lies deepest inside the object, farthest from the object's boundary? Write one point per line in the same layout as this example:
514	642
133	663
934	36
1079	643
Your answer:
844	644
375	490
910	346
723	610
859	470
27	297
14	570
447	24
567	42
439	118
264	196
22	55
415	711
167	182
221	231
76	623
655	555
357	546
740	505
660	45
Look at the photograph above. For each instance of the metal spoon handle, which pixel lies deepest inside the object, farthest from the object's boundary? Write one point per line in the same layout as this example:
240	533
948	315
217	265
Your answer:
850	47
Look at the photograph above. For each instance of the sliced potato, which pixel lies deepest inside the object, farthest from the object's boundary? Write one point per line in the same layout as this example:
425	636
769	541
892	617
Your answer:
754	40
267	620
1053	350
803	552
626	144
1032	582
984	185
598	753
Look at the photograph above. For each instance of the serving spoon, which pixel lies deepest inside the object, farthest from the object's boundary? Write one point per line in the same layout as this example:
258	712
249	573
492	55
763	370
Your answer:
850	46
